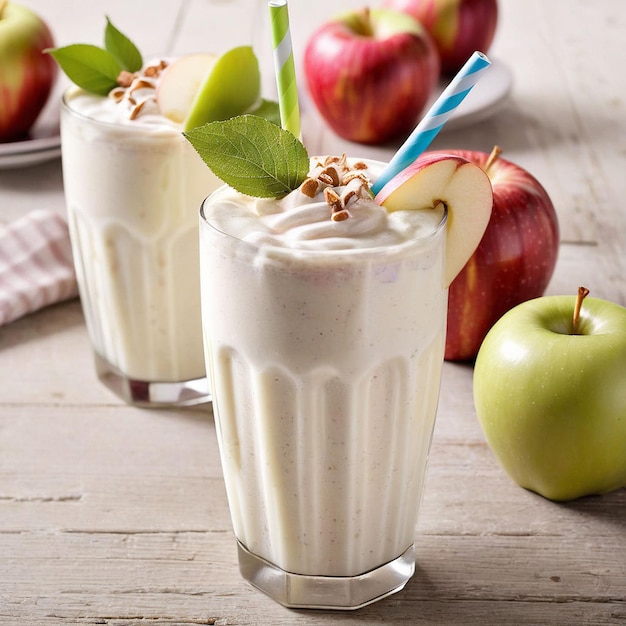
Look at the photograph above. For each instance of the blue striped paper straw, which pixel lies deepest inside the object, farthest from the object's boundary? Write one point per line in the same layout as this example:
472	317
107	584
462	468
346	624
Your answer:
438	114
284	67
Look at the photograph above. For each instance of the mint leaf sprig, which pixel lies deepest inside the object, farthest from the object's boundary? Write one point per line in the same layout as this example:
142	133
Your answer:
96	69
252	155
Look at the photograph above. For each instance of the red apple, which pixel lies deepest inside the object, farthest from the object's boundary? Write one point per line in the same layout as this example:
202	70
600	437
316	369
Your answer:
514	260
370	74
459	27
26	73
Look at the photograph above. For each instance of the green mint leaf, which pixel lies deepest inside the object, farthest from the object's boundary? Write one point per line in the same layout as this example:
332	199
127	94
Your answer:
122	48
252	155
89	67
269	110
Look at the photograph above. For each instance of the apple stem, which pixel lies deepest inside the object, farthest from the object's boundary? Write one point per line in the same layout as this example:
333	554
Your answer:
493	157
583	292
364	24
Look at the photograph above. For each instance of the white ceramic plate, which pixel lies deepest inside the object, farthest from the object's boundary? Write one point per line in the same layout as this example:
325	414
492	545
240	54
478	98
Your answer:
44	145
483	100
28	158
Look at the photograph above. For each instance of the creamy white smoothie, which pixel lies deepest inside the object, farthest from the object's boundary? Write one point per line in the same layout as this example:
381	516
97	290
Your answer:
133	187
324	322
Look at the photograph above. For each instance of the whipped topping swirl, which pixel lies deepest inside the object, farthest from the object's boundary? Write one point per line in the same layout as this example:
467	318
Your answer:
332	210
133	102
333	204
137	90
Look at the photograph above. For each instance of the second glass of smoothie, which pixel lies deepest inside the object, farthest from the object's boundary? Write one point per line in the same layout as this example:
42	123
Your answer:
133	185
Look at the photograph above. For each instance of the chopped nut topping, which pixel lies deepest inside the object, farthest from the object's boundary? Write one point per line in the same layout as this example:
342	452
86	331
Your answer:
354	190
309	187
332	199
140	83
125	78
334	172
340	161
137	109
340	216
117	94
138	89
329	175
350	176
153	71
349	197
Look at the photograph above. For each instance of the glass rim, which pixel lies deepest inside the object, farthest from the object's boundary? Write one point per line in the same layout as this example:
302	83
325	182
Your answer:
303	252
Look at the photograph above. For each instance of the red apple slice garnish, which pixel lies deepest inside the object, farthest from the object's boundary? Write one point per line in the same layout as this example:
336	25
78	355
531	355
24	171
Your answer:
463	187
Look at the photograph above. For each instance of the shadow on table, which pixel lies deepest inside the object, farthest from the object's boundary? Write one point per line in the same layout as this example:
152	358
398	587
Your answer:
51	320
34	180
610	508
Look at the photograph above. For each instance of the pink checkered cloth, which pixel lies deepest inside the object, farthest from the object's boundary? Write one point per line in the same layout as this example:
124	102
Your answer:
35	264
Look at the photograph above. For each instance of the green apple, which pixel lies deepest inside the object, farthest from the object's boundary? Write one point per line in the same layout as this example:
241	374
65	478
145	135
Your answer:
26	73
200	88
550	395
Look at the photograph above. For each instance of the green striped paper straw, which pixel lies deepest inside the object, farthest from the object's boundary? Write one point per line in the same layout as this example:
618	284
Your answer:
284	67
438	114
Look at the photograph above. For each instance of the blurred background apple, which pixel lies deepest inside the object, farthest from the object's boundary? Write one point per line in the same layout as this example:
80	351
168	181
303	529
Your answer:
459	27
27	74
371	73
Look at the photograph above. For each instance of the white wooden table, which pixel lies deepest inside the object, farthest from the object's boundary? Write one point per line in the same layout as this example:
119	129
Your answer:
115	515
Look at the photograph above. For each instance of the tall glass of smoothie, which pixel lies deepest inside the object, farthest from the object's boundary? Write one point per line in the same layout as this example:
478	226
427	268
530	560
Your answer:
324	322
132	186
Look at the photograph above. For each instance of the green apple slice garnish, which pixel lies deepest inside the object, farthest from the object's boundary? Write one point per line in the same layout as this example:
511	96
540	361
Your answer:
181	82
201	88
232	88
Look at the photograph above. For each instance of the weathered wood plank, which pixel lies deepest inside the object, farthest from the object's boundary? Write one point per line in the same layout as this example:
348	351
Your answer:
186	576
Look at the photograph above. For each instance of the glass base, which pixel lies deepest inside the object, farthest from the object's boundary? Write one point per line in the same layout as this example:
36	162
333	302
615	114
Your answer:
152	394
300	591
